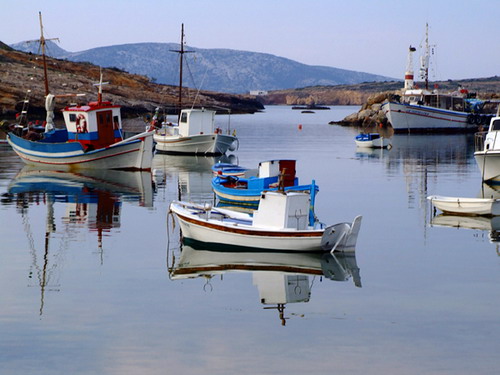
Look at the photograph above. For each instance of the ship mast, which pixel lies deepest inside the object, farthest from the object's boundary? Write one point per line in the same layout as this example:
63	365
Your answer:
424	59
43	43
181	52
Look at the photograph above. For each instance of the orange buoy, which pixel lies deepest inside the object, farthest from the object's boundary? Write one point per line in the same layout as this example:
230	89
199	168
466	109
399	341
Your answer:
300	126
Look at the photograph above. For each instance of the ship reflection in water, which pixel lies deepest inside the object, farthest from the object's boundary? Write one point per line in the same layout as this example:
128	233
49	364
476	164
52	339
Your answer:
91	200
280	278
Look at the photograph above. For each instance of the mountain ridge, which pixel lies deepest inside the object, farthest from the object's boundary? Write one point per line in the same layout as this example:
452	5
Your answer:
23	76
218	69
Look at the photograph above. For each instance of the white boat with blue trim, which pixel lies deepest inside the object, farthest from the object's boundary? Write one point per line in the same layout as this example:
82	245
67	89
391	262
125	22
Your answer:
196	134
372	140
92	139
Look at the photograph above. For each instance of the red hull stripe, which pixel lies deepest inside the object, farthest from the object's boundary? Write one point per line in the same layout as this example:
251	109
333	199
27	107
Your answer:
262	233
241	267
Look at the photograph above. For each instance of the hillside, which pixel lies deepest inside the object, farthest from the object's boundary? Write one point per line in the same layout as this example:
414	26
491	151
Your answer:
136	94
358	94
222	70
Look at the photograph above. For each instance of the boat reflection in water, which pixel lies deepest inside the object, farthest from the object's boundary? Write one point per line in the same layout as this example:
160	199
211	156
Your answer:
92	199
190	175
489	224
280	278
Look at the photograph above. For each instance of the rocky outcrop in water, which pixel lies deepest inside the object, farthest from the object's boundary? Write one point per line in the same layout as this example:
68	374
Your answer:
370	113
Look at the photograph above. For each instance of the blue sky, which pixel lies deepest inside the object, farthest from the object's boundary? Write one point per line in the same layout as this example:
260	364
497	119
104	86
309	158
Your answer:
370	36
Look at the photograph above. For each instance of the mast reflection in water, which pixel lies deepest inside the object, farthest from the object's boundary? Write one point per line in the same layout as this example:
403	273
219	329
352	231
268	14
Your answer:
92	200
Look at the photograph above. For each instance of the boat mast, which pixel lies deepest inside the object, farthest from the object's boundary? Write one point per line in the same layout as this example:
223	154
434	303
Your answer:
181	52
424	59
43	43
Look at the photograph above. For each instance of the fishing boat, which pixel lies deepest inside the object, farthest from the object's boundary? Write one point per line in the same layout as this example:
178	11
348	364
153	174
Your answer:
247	190
487	150
425	110
92	137
372	140
466	206
195	132
282	222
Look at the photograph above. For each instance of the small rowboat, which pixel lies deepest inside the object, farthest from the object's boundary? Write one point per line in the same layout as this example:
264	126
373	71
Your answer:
280	223
372	140
247	191
228	169
466	206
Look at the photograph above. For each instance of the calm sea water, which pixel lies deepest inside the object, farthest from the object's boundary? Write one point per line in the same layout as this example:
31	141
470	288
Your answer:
93	279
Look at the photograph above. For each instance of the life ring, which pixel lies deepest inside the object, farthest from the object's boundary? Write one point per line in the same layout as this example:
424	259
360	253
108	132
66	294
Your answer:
81	124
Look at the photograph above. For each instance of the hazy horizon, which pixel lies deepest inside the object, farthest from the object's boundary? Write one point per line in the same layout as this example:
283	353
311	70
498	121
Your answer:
371	37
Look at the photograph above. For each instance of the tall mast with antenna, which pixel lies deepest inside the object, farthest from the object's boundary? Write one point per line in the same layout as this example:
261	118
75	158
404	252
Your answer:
181	52
424	59
43	43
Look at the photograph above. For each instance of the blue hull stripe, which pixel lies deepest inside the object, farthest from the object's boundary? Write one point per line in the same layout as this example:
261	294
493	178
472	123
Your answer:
45	147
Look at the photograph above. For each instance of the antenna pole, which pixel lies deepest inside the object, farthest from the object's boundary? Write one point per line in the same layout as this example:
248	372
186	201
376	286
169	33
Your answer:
42	45
181	52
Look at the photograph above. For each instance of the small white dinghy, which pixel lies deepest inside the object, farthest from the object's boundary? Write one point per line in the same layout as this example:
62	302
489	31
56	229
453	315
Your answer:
280	223
466	206
372	140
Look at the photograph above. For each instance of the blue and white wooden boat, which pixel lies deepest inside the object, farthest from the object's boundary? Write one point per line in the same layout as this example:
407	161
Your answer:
92	139
372	140
247	191
228	169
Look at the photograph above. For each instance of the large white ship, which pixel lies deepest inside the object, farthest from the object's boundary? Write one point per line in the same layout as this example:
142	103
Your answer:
424	110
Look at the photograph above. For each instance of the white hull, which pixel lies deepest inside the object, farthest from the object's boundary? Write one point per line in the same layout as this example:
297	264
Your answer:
226	227
376	143
249	237
408	117
133	153
466	206
209	144
489	164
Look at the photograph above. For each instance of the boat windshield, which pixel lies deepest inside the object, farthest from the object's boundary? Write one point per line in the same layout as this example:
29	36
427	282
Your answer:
495	126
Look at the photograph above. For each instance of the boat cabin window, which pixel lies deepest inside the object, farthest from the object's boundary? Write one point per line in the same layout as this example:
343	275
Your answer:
495	125
116	122
184	117
72	117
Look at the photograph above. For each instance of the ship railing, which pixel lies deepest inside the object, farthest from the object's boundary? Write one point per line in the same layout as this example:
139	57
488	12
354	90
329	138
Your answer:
479	139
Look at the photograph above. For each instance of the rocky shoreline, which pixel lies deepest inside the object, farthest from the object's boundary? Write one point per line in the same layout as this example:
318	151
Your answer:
22	77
